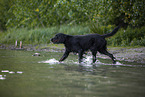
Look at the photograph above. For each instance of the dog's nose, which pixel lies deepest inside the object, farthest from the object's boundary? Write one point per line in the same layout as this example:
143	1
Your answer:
51	39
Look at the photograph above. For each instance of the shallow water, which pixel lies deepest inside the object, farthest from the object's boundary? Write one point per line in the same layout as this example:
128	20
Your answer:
24	75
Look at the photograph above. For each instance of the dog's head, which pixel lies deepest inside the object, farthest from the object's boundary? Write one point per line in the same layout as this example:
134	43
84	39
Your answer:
59	38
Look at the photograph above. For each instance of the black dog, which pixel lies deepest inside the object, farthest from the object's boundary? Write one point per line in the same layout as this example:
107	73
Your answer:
81	43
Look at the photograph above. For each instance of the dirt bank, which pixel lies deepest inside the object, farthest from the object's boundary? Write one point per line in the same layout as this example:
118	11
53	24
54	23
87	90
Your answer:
120	53
128	54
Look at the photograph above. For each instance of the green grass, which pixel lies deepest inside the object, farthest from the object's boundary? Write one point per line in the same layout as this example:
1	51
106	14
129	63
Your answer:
40	35
37	36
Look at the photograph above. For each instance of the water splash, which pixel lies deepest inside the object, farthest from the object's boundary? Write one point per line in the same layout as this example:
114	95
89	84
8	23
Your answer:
87	62
118	63
50	61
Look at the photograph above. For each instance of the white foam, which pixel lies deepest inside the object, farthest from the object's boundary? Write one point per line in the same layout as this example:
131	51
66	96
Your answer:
118	63
2	78
11	72
87	61
19	72
50	61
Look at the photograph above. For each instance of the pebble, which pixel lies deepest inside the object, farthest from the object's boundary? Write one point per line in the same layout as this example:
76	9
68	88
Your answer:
36	54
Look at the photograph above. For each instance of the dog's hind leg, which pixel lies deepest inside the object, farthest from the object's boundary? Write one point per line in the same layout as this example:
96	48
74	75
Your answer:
108	54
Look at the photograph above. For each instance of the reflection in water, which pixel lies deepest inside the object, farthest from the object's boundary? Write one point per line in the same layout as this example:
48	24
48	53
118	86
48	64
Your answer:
22	75
7	71
2	77
4	72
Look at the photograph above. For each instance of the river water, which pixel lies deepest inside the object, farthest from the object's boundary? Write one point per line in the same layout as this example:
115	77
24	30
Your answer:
24	75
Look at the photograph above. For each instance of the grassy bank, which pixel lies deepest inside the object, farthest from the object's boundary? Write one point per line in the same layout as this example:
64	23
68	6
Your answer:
40	35
128	37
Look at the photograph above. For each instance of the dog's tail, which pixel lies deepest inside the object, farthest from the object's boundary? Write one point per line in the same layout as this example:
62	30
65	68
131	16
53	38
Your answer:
112	33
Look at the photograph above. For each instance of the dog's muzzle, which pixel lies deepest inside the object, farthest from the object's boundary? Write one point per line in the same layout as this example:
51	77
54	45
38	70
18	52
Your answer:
51	39
55	41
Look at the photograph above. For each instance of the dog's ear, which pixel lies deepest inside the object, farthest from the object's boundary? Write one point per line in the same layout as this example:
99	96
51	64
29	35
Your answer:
63	38
60	37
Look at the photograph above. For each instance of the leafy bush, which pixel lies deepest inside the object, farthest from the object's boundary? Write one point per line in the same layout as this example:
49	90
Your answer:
97	28
128	37
46	13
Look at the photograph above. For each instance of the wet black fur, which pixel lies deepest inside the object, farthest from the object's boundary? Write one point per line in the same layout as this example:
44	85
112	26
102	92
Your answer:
81	43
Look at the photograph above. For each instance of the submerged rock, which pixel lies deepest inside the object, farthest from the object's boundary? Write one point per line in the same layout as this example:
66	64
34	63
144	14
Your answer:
36	54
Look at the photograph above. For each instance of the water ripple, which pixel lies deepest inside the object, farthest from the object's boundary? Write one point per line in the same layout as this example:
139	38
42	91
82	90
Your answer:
87	62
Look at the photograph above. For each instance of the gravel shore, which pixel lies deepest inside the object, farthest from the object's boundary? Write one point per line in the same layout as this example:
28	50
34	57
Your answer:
128	54
121	53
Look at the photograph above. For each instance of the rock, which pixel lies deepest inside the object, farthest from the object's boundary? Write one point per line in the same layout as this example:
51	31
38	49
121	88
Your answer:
36	54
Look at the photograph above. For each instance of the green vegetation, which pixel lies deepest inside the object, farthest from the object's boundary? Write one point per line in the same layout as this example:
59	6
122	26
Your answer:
36	21
46	13
124	37
128	37
40	35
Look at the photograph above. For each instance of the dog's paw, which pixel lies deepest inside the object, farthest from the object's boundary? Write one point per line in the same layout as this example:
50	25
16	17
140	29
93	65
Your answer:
114	62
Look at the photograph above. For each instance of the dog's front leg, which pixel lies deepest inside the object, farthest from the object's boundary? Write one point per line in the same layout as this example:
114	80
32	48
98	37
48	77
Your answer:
65	55
80	55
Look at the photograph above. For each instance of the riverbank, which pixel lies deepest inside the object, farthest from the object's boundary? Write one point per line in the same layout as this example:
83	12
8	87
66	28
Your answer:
130	54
